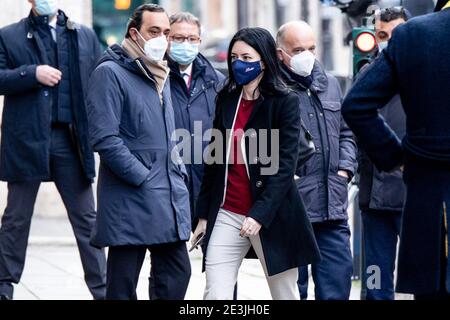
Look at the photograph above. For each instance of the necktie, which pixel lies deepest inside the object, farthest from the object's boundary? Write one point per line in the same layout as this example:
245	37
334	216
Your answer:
53	32
187	79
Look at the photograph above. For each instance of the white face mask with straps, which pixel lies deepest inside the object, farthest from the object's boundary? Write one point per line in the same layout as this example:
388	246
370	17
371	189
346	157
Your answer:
155	48
303	63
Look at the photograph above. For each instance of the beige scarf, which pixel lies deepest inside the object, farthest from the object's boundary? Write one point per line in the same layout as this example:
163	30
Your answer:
159	70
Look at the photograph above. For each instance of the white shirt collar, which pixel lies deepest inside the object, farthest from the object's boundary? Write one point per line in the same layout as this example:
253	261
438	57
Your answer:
188	70
52	23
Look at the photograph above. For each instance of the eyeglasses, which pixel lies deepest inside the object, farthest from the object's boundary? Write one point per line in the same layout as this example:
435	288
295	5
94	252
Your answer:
182	39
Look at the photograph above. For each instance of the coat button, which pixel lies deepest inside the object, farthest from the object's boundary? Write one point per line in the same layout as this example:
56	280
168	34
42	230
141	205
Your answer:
259	184
46	93
321	114
23	73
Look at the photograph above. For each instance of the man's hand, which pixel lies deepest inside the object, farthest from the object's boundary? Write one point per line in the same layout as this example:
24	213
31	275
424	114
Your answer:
344	174
250	227
201	228
48	76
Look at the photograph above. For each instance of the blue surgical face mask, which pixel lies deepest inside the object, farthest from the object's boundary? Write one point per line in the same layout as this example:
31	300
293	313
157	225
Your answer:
245	72
46	7
382	45
183	53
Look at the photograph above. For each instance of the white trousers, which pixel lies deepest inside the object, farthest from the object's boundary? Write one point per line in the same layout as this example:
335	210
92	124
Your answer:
226	251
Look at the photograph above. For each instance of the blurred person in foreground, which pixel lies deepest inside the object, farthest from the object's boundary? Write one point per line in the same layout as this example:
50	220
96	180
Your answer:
382	194
421	75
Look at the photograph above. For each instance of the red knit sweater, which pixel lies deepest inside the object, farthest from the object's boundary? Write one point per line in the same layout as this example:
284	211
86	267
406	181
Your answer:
238	194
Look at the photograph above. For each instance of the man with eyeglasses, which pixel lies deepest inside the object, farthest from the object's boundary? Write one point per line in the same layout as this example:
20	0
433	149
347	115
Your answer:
381	195
421	75
143	202
194	86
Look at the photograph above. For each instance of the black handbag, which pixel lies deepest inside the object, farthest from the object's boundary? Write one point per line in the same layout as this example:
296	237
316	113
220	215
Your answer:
306	145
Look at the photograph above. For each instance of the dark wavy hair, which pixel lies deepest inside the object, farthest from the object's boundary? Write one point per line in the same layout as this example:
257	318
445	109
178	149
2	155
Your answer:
262	41
136	19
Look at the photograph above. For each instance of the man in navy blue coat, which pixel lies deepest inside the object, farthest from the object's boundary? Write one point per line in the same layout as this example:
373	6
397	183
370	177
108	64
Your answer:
415	65
382	194
194	86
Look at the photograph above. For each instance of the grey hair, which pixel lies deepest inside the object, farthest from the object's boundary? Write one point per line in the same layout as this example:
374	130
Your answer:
186	17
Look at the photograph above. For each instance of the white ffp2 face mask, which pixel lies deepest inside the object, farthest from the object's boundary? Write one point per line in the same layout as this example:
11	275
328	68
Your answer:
303	63
155	48
382	46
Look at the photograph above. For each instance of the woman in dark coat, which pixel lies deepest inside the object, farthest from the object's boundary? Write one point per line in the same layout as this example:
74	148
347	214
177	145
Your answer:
246	201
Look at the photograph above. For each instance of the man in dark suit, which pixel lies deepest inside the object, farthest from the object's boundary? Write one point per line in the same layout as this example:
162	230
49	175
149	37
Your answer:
45	62
421	75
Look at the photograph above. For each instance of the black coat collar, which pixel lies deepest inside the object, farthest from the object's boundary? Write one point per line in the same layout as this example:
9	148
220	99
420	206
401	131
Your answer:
62	21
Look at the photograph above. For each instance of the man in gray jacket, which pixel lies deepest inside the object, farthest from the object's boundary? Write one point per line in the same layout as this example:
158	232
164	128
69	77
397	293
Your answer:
323	180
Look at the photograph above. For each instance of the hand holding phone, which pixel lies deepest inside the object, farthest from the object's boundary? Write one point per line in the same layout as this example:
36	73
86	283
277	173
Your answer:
197	242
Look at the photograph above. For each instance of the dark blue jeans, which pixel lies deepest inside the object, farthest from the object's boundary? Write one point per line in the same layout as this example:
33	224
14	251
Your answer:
381	234
333	274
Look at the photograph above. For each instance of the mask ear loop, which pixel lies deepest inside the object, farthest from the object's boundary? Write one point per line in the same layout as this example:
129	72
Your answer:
290	66
140	35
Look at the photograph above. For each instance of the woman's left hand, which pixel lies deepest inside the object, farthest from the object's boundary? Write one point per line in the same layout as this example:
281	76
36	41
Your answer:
250	227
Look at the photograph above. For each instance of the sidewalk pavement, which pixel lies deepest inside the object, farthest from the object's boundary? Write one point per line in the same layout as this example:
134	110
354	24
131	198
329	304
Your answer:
53	270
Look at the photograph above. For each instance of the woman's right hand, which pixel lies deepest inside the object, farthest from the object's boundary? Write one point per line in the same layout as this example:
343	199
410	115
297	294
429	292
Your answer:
201	228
